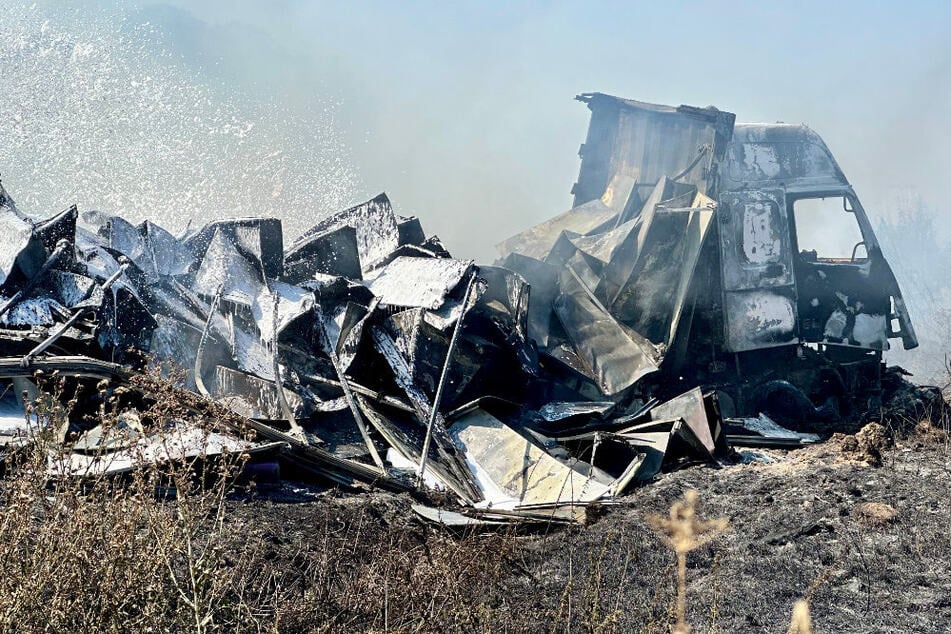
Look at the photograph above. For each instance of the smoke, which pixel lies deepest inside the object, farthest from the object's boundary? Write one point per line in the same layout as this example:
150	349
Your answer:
462	112
94	112
920	257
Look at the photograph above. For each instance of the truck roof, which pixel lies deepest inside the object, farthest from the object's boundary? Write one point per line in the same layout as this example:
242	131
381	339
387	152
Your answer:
641	141
792	155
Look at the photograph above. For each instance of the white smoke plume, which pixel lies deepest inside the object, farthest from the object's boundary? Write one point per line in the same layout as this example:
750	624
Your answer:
93	112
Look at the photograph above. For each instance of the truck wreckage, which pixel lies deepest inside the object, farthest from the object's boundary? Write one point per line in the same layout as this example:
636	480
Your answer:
678	308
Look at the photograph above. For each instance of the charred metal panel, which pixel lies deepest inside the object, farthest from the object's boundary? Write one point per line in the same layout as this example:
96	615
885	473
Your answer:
344	331
695	235
155	251
252	396
62	226
757	270
764	155
618	357
419	282
755	246
405	435
464	483
645	142
689	407
620	267
905	328
512	471
410	231
542	279
760	318
425	348
505	299
377	230
22	253
261	239
538	241
226	271
332	252
652	300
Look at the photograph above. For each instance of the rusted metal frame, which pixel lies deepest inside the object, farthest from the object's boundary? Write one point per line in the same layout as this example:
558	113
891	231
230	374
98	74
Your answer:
437	399
347	393
49	341
51	261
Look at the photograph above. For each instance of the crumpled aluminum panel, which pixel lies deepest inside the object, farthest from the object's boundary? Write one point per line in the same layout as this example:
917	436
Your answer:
419	282
538	241
617	357
512	471
377	230
20	249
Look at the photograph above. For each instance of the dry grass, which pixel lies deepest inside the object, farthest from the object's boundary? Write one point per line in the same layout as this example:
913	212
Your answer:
169	548
876	514
801	621
684	532
181	549
108	556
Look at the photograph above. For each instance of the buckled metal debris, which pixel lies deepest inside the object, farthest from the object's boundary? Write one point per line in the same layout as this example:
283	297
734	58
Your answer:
606	345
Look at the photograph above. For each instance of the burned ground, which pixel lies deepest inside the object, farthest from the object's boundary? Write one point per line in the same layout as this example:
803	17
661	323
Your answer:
867	545
799	529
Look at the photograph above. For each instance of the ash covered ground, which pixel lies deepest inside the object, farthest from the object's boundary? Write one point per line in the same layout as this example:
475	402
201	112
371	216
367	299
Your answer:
811	524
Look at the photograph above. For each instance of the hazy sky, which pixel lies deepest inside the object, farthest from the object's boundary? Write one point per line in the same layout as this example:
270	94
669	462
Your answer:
464	112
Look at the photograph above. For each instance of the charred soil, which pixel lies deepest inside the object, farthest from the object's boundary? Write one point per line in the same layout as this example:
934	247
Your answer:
864	540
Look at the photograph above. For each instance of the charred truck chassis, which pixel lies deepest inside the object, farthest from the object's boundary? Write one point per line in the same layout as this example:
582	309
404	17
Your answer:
771	324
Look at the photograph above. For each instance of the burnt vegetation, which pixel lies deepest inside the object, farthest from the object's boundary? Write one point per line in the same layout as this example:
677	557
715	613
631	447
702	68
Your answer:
192	546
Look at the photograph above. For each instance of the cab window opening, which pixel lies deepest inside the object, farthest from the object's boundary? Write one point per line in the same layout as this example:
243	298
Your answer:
827	230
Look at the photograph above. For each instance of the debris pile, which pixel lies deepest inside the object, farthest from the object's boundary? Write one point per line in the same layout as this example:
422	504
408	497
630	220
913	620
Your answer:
664	316
362	351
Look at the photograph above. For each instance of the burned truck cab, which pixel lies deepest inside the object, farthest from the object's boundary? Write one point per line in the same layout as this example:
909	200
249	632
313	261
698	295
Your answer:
787	304
801	270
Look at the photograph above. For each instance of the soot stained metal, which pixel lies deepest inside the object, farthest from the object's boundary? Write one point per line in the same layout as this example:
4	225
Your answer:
725	284
677	306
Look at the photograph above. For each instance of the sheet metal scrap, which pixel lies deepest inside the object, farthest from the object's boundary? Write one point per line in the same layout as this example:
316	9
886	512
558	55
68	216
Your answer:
364	340
531	390
615	310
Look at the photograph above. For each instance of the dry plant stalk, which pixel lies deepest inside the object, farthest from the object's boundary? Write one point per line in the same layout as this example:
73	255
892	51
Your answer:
104	553
801	622
167	547
683	532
